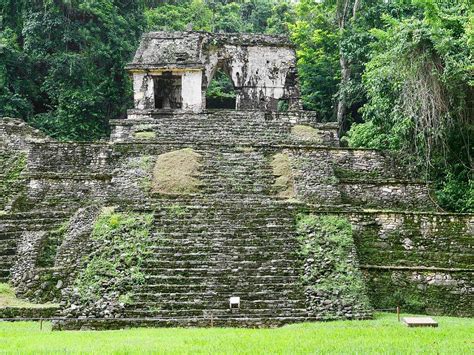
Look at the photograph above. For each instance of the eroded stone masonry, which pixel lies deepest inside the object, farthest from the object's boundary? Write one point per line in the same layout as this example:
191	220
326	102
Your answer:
185	207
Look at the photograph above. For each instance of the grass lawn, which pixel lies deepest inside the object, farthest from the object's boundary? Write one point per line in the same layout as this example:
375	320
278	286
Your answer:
381	335
8	299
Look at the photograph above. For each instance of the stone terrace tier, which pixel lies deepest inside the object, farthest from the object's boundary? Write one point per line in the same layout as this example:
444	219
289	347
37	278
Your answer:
225	128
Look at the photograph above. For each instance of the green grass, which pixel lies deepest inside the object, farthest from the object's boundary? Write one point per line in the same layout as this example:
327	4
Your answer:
8	299
383	335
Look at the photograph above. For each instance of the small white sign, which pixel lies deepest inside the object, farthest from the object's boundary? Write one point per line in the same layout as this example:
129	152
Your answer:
234	302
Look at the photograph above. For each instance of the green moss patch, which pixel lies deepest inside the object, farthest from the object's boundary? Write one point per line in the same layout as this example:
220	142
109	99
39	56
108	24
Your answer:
283	185
176	172
306	133
145	135
8	299
50	246
121	243
12	165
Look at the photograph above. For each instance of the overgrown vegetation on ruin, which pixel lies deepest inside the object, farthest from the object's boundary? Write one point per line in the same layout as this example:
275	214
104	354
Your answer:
49	246
331	267
120	245
12	166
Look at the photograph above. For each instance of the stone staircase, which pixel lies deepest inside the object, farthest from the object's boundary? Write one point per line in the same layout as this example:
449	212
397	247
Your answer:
12	226
223	127
235	172
204	254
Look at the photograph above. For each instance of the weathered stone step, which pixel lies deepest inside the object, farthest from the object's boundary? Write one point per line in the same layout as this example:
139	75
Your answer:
227	246
232	320
217	300
8	243
20	226
222	211
221	312
240	262
198	238
237	262
6	261
224	226
218	215
215	270
281	288
263	258
11	250
177	284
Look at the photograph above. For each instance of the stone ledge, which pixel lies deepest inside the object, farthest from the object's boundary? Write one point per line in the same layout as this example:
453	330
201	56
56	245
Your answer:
21	312
249	322
69	176
414	268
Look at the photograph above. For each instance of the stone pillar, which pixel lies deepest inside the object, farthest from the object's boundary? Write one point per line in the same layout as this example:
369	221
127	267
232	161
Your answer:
191	91
143	91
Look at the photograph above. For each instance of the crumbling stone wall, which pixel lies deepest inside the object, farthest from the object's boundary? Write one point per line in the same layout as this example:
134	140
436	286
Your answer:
420	261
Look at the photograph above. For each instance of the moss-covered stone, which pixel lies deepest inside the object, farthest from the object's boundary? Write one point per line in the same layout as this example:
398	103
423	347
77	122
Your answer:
284	184
12	165
306	133
176	172
50	244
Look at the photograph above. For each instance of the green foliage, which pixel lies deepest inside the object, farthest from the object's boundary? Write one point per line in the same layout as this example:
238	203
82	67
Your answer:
219	16
121	244
456	191
327	241
368	135
419	86
176	17
63	65
176	210
316	36
221	86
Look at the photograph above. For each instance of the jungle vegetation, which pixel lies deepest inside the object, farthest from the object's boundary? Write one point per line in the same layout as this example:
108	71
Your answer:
395	74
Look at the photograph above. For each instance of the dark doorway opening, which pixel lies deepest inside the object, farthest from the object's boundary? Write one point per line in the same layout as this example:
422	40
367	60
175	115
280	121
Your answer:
168	91
221	92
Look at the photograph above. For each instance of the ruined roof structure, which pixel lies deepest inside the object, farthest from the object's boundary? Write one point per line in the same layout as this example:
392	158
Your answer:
253	216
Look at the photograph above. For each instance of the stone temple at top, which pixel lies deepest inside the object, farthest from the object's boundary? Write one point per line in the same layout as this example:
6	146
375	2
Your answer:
173	70
251	216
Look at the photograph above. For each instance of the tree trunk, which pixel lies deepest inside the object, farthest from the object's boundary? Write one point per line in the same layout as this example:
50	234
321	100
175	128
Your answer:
343	14
341	104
